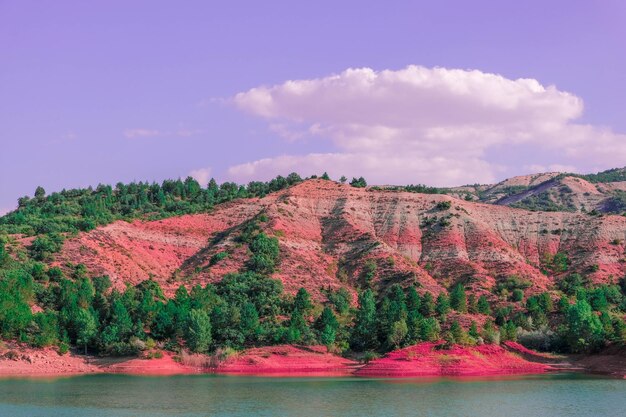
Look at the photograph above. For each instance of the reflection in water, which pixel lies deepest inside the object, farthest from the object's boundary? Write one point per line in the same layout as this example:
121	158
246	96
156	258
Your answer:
118	395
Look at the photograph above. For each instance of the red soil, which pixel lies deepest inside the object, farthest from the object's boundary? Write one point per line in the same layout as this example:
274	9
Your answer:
287	360
20	360
156	366
425	360
328	230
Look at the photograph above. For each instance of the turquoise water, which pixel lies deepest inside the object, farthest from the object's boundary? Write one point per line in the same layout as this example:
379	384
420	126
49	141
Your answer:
118	395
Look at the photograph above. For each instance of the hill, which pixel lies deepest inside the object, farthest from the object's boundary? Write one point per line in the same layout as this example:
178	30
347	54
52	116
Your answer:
330	233
604	192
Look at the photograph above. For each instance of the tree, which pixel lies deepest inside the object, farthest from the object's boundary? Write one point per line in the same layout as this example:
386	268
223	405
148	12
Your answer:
40	193
298	325
302	302
473	331
398	332
458	299
430	330
325	176
489	333
86	327
428	307
369	272
358	183
413	301
343	179
472	307
249	323
483	306
327	326
340	299
458	333
443	305
584	331
364	335
265	254
508	331
198	335
328	336
518	295
4	256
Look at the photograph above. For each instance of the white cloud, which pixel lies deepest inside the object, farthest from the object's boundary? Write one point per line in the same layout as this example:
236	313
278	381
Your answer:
550	168
5	210
150	133
418	124
202	175
141	133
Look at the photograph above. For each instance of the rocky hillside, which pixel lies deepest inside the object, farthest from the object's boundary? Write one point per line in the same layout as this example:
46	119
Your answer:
604	192
334	235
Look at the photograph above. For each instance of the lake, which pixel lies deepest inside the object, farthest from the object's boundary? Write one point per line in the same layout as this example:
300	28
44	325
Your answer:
204	395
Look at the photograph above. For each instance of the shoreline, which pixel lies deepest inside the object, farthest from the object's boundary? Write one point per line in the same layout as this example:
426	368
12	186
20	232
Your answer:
423	361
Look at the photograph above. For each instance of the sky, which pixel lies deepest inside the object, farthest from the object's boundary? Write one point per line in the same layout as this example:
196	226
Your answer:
436	92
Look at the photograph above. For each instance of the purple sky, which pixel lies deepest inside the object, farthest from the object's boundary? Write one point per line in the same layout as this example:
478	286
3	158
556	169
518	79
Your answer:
113	91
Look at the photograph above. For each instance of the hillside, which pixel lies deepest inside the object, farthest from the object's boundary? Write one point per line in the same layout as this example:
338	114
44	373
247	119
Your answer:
604	192
328	232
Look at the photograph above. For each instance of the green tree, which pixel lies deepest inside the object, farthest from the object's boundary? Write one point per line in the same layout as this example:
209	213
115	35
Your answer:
518	295
40	193
86	327
458	334
430	330
443	305
458	299
399	331
413	300
584	331
340	299
249	323
508	331
364	335
473	331
302	302
198	335
489	333
428	307
358	183
327	327
483	306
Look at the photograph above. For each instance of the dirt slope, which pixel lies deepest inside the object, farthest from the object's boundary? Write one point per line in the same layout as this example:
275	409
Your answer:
328	230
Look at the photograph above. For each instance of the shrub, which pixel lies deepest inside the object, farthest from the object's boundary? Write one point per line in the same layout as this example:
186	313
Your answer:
217	257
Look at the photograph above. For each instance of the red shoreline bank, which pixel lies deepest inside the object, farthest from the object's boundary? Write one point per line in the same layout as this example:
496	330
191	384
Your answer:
422	360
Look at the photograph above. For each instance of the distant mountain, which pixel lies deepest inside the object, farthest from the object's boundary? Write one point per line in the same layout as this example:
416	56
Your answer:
604	192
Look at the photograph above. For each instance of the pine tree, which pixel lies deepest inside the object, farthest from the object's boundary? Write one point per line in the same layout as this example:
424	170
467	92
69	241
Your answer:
483	306
443	305
458	299
428	307
364	335
198	335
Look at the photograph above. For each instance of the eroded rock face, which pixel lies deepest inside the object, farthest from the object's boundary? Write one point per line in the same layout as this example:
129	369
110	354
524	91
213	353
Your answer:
328	231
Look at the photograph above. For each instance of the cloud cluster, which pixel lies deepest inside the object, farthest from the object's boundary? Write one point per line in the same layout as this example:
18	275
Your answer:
202	175
151	133
430	125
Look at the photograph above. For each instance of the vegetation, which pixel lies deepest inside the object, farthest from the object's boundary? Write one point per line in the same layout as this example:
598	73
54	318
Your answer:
249	308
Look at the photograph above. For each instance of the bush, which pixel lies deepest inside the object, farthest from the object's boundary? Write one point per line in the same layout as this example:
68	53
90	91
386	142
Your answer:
217	257
443	205
542	339
369	356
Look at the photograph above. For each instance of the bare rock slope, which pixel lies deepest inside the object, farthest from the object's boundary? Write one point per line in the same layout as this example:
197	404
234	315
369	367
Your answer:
328	231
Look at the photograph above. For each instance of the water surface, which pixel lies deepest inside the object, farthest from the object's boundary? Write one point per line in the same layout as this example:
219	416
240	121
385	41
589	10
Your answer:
204	395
